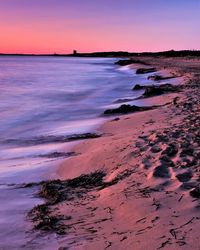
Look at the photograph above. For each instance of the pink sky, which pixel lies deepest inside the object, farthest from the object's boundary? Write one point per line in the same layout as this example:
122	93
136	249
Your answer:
49	26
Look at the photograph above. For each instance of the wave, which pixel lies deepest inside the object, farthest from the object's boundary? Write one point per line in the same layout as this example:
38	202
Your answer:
38	140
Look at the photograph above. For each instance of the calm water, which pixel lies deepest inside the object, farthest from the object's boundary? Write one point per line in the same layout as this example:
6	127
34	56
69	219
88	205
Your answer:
42	96
45	96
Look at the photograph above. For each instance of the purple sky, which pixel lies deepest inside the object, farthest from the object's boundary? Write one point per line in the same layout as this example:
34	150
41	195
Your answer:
47	26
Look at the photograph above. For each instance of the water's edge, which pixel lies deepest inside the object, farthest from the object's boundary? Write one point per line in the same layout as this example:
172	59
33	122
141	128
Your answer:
25	199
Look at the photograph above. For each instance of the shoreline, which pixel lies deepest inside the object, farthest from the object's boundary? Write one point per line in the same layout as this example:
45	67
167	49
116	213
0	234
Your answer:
145	178
102	129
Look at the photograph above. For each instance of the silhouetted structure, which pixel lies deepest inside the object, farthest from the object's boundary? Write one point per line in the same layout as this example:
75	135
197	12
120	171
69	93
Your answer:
75	52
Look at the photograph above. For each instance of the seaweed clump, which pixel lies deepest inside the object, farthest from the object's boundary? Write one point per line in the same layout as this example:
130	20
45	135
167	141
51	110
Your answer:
57	191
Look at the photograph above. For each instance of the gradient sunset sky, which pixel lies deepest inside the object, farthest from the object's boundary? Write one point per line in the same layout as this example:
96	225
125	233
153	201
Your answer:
48	26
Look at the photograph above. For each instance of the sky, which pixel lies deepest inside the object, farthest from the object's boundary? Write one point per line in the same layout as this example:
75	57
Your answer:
60	26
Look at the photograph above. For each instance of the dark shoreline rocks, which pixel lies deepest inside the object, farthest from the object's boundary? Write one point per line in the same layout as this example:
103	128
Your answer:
126	62
159	77
154	90
141	87
125	109
145	70
160	90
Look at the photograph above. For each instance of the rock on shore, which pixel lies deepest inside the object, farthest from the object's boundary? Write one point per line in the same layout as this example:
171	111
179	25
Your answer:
125	109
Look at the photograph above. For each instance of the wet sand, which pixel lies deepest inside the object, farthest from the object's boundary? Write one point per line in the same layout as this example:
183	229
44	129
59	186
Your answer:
136	186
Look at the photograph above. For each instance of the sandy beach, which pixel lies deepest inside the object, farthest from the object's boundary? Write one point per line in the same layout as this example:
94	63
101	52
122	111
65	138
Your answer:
136	186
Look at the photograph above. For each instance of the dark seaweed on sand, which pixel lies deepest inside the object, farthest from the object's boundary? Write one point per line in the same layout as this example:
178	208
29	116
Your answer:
56	191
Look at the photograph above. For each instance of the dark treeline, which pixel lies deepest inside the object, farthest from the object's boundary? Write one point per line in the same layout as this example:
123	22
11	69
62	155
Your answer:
170	53
173	53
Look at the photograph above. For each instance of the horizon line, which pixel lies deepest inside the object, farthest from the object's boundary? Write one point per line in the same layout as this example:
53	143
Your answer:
76	53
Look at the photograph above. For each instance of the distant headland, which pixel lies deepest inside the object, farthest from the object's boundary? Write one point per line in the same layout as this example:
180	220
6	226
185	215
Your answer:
169	53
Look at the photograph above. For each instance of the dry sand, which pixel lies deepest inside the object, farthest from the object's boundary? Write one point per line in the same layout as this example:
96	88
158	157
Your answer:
154	156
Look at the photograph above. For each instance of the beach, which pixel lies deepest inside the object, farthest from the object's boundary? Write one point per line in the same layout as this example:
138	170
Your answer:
136	186
48	105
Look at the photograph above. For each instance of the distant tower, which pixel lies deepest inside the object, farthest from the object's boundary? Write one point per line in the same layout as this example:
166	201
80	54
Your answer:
74	52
